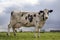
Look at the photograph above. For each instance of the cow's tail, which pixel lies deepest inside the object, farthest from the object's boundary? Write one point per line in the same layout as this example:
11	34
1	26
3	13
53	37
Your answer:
11	13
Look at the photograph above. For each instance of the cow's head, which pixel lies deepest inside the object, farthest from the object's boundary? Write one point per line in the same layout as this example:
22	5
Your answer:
45	13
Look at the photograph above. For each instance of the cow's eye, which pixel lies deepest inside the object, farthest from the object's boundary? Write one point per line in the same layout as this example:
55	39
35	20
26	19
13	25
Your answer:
43	14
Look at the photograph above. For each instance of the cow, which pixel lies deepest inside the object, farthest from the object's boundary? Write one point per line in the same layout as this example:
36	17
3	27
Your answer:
28	19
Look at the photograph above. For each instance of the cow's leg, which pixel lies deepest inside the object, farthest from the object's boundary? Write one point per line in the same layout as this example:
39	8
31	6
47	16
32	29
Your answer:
8	33
14	31
38	32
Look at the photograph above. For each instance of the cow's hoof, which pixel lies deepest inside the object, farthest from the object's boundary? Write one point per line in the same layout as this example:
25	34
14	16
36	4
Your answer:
38	36
34	36
15	30
8	34
14	34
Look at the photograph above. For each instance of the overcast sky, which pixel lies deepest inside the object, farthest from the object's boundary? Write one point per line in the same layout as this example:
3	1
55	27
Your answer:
6	6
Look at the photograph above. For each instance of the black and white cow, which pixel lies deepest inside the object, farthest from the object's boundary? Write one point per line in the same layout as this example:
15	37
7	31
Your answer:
28	19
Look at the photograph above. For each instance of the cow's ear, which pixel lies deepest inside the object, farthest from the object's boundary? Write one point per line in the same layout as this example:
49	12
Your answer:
50	11
11	13
40	12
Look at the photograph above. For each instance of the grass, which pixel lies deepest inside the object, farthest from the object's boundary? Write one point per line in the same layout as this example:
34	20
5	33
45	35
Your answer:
29	36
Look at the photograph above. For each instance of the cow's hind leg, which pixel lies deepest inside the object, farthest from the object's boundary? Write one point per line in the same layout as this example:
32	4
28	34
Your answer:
8	33
14	31
37	33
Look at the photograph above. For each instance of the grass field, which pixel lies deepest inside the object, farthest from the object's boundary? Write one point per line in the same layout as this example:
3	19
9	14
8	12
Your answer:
29	36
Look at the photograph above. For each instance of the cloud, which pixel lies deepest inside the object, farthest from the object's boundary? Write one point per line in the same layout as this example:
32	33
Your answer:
47	2
50	1
1	9
8	5
20	3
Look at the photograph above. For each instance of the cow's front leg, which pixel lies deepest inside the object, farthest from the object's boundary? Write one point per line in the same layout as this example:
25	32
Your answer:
36	30
14	31
8	33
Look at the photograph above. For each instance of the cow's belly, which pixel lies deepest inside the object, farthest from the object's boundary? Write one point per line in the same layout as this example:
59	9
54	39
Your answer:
28	25
17	25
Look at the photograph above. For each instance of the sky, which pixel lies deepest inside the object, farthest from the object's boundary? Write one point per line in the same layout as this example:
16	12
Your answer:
6	6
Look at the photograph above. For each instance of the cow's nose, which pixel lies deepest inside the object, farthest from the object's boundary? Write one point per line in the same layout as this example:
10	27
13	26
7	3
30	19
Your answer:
46	17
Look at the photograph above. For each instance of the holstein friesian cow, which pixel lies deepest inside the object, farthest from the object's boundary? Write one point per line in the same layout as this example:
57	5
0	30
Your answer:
28	19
